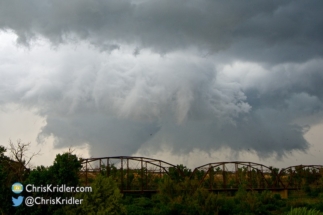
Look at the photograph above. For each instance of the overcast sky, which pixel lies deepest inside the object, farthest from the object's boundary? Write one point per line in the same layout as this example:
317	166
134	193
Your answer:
182	80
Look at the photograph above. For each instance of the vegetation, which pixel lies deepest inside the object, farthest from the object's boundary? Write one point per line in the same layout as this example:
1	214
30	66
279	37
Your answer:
178	193
105	198
303	211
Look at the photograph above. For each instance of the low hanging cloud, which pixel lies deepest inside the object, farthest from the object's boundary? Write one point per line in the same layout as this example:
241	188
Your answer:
123	101
125	76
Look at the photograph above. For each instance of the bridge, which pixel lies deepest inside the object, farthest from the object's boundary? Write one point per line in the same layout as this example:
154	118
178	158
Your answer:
141	174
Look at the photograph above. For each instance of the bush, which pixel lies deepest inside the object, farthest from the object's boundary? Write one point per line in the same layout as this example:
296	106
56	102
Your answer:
303	211
138	205
105	198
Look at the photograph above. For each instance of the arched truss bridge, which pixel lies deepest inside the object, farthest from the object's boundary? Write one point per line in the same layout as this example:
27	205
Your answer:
141	174
133	174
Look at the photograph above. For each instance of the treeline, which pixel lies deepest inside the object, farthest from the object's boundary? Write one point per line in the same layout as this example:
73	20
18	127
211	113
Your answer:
177	195
140	177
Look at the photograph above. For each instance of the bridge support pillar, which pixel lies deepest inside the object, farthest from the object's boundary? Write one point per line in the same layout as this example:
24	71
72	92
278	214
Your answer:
283	193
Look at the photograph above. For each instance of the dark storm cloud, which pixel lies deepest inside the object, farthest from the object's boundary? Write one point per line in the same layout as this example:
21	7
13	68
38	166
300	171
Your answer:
107	136
149	102
230	74
267	31
265	130
278	97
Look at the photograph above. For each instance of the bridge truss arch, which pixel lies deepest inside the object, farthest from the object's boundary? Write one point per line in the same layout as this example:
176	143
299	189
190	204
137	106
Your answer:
295	177
231	175
132	174
142	174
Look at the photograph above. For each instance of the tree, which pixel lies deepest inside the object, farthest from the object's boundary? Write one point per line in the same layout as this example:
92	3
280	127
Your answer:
65	170
5	203
2	151
12	169
18	153
180	197
104	199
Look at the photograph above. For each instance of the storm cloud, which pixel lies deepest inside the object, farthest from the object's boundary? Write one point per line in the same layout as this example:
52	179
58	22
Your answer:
128	76
274	31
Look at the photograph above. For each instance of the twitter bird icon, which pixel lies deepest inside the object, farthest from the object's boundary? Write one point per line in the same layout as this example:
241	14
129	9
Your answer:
17	201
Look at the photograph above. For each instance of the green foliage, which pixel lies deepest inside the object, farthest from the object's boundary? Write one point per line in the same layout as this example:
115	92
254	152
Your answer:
187	197
5	191
303	211
178	194
179	173
257	202
171	197
39	176
105	199
139	205
65	169
2	151
8	176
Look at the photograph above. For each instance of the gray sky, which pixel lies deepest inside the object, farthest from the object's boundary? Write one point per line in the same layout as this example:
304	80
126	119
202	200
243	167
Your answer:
165	78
